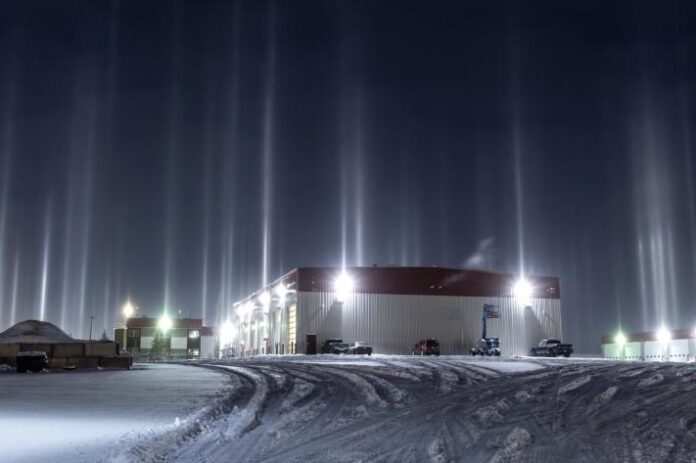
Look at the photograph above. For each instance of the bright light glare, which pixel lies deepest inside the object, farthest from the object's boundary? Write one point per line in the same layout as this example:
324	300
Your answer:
249	307
164	323
522	291
663	335
245	309
343	285
128	309
281	291
620	339
226	333
265	300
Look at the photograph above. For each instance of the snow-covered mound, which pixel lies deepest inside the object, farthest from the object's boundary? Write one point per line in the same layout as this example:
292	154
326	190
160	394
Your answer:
34	331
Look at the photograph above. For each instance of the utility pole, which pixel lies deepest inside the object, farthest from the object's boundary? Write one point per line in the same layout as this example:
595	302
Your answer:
91	319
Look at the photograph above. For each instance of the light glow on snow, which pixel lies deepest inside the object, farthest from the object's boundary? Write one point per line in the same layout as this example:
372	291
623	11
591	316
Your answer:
226	333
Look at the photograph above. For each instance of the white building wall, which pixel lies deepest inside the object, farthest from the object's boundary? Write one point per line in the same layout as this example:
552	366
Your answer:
177	342
207	347
633	351
652	351
676	350
392	324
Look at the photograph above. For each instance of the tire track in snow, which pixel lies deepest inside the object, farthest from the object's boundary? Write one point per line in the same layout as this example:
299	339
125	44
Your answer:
535	426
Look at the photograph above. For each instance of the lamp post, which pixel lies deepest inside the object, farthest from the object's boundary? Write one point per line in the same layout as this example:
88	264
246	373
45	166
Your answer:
128	310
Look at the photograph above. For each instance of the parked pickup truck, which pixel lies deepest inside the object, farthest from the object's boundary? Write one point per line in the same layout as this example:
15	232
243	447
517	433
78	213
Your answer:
551	348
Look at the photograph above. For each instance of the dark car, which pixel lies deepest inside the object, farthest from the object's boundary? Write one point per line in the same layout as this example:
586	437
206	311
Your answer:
34	361
359	348
334	346
551	348
426	347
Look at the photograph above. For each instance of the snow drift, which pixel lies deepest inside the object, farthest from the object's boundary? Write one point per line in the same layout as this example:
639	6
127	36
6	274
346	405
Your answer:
34	331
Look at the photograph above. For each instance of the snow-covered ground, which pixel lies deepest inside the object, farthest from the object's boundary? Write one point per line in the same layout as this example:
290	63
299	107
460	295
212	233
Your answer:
79	416
417	409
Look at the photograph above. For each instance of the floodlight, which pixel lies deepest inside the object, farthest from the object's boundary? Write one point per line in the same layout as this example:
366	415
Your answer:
522	291
620	339
663	335
164	323
281	291
128	309
226	333
343	285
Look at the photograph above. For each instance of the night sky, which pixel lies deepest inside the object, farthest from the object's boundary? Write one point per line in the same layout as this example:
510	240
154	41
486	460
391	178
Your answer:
181	154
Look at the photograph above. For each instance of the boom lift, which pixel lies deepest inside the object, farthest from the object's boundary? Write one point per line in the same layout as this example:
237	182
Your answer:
487	346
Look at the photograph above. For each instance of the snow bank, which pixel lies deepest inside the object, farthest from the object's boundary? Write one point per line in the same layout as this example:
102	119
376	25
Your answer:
85	416
515	443
657	378
575	384
34	331
607	395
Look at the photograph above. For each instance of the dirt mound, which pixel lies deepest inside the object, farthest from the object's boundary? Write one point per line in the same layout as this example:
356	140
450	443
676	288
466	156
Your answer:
34	331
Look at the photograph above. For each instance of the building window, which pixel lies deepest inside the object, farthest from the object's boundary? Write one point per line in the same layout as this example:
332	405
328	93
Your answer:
194	334
133	333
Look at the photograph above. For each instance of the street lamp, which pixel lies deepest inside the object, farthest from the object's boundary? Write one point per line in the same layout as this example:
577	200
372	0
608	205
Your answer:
128	309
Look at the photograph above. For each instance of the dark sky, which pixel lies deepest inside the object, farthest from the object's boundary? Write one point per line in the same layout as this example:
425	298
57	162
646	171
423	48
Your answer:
179	153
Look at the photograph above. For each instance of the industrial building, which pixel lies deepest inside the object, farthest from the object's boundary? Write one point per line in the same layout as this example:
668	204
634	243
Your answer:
662	345
392	308
181	337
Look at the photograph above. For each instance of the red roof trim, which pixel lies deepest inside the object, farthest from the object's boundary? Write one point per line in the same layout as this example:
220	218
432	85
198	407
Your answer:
429	281
177	323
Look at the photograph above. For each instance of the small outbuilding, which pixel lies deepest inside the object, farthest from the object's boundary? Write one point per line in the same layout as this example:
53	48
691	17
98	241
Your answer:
62	350
147	338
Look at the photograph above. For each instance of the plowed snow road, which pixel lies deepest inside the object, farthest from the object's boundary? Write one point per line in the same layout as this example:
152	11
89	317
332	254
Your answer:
415	409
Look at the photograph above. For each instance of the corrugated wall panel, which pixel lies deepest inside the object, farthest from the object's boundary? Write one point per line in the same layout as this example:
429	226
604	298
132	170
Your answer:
393	323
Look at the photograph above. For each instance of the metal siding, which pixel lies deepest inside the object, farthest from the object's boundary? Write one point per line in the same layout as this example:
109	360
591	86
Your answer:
393	323
207	347
179	342
146	342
